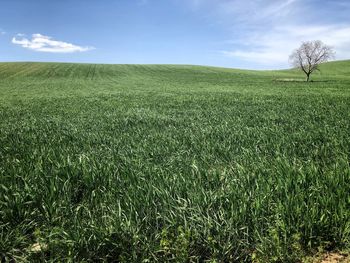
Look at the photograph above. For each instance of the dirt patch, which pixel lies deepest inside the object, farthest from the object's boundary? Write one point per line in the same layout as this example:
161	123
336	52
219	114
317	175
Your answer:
335	258
290	80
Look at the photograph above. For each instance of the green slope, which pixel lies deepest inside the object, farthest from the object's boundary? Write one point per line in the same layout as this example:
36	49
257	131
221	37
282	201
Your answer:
338	68
329	70
37	69
64	79
160	163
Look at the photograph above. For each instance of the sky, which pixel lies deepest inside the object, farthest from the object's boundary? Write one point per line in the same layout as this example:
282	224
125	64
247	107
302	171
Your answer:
251	34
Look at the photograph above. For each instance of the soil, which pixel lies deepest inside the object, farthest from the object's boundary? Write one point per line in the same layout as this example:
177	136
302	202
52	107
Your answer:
335	258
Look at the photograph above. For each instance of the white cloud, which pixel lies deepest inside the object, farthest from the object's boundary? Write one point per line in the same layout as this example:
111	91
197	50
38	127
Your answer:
273	48
265	32
43	43
2	32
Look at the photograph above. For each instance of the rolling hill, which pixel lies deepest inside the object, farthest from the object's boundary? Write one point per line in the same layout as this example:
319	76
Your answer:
147	163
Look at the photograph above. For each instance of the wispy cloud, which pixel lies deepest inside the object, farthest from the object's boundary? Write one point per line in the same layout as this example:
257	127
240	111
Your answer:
274	47
248	11
44	43
251	11
2	32
265	32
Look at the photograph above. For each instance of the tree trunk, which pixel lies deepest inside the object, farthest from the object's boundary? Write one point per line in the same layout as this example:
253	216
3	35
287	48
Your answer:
307	77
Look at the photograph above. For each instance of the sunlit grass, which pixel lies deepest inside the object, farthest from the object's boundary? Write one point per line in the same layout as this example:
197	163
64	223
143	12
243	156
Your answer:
164	163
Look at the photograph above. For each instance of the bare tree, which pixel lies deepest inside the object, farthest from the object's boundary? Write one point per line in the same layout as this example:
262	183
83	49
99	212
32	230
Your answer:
310	55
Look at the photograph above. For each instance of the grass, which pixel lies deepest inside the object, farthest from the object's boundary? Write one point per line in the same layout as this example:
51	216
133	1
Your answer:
146	163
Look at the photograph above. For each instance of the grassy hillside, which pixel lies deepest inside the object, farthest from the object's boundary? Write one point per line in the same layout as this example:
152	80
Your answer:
139	163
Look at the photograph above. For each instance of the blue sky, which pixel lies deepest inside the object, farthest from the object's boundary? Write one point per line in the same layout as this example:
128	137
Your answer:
256	34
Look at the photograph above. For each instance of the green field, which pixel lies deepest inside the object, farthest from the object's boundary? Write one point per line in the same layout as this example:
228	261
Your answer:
146	163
